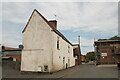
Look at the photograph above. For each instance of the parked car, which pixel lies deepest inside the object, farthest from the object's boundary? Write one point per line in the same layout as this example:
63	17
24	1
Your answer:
118	65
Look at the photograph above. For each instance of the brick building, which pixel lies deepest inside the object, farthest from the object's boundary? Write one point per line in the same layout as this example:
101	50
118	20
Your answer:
11	58
107	51
77	54
13	53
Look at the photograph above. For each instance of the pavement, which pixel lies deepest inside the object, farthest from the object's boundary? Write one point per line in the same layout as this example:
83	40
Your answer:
107	65
12	73
81	71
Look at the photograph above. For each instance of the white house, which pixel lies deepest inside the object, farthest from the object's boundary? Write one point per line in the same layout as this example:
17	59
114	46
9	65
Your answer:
45	48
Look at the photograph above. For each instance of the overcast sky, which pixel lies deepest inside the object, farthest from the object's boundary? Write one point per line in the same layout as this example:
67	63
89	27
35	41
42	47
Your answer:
90	20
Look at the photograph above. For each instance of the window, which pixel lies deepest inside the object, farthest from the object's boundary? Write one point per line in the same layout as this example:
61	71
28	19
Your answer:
63	60
68	61
58	45
68	49
59	56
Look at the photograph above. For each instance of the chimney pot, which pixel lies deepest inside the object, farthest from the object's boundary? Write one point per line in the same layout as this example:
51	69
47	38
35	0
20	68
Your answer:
53	23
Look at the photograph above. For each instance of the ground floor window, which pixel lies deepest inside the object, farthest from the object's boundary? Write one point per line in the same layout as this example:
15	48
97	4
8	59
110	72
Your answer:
63	60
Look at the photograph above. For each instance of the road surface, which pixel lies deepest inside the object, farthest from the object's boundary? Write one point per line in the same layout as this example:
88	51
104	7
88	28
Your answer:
81	71
91	71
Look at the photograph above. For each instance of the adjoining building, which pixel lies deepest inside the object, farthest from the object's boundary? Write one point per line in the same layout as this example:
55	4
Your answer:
11	53
107	50
77	54
11	58
45	48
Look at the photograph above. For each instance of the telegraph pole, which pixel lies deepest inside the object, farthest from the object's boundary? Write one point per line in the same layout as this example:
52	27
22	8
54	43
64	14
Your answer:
79	39
95	52
79	57
55	16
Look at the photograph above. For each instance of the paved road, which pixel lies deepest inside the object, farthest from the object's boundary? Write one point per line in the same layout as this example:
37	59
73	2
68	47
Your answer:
82	71
91	71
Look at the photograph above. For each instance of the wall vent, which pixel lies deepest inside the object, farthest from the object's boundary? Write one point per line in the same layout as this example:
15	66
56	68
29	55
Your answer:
45	68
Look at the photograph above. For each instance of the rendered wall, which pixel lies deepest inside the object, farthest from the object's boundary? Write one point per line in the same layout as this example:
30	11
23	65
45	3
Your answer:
40	48
37	45
63	52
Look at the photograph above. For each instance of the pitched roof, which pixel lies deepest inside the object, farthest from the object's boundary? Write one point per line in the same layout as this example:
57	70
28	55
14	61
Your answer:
115	38
76	46
112	39
54	29
9	48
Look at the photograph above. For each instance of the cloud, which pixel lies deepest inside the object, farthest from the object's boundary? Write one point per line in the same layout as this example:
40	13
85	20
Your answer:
83	16
16	13
85	50
60	1
11	39
86	41
86	17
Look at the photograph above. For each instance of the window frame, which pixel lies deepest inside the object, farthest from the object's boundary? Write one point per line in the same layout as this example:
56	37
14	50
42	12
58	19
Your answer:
58	43
68	49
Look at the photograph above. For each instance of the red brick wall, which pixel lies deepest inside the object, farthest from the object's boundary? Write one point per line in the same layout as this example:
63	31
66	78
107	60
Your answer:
18	57
110	58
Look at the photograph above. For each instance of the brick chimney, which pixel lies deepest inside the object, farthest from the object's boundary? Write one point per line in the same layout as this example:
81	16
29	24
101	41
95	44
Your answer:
53	23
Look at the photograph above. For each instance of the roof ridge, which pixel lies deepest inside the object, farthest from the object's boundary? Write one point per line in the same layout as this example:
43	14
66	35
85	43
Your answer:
54	29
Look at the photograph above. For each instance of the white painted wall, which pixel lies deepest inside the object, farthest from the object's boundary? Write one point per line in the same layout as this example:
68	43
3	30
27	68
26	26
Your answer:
63	52
40	47
37	44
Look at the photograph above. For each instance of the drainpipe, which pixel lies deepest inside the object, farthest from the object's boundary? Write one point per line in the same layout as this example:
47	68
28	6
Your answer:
52	52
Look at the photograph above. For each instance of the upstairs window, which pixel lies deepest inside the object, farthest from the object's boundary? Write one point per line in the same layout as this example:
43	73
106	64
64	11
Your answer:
68	61
58	45
68	49
63	60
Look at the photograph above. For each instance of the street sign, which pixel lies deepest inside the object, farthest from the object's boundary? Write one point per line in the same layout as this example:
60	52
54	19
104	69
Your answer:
103	54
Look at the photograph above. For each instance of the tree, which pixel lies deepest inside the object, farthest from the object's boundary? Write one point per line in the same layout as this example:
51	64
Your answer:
90	56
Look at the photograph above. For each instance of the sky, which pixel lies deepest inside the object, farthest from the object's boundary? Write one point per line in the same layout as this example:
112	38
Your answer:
90	20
